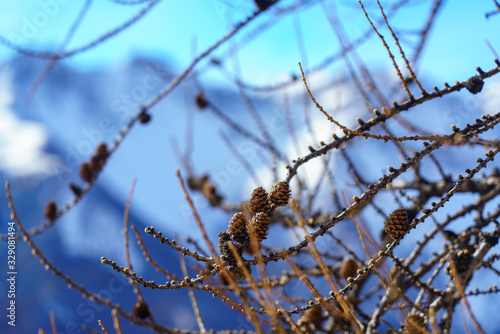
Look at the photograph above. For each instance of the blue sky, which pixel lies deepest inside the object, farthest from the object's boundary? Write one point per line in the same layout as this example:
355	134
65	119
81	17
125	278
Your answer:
171	29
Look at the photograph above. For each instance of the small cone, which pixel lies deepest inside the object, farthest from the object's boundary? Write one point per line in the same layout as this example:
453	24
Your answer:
349	268
238	272
474	85
313	316
263	4
259	202
280	194
397	224
76	189
99	159
96	163
144	117
260	226
225	243
224	239
141	310
102	151
201	101
238	227
86	172
415	323
51	211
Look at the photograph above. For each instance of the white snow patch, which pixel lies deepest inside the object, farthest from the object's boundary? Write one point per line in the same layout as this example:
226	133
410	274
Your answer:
490	97
21	142
340	101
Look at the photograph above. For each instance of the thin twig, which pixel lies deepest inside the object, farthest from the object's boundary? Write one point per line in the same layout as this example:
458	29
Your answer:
194	303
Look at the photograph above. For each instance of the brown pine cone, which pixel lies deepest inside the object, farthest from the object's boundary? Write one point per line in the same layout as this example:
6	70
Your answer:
99	159
259	202
415	323
201	100
280	194
264	4
76	189
348	269
224	239
313	316
141	310
238	227
96	163
210	192
86	172
144	117
397	224
474	84
51	211
102	151
225	244
259	225
238	272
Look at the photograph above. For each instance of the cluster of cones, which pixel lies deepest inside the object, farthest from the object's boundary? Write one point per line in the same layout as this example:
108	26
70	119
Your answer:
262	206
89	170
241	230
